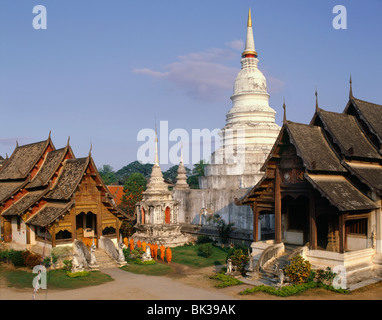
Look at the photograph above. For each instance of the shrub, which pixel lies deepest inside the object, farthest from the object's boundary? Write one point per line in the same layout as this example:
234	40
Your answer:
77	274
291	290
205	250
67	265
146	263
299	270
31	259
16	258
204	239
325	276
224	228
226	281
239	259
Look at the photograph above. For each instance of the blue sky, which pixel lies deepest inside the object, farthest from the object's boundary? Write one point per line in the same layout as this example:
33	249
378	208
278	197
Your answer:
104	70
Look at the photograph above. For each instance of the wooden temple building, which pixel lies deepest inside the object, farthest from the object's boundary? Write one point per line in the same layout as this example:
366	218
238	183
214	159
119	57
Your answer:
50	197
323	183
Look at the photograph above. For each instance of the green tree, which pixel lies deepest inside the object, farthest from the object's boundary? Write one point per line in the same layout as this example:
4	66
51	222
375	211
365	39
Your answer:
107	174
199	168
134	167
133	188
172	173
197	171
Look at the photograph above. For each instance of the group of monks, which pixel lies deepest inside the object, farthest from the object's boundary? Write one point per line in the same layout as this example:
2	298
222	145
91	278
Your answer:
164	252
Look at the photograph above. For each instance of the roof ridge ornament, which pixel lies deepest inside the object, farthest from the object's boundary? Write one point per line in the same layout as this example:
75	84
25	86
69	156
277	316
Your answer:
351	88
316	100
284	107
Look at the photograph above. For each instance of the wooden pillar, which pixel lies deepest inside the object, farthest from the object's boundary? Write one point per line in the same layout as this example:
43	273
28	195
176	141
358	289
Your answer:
278	206
74	224
52	231
312	221
7	230
341	227
255	222
99	223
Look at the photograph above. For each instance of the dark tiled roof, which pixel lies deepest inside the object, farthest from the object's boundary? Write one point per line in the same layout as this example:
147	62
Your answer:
9	188
70	177
313	148
48	214
23	204
50	165
347	134
22	160
341	193
372	113
369	174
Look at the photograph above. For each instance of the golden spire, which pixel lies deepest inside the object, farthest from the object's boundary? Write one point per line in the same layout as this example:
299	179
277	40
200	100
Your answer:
249	51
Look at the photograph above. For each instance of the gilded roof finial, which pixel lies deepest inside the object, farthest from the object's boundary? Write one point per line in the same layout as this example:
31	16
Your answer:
249	23
90	151
351	88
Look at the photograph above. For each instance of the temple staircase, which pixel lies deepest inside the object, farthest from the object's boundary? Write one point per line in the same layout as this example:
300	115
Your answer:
104	261
268	266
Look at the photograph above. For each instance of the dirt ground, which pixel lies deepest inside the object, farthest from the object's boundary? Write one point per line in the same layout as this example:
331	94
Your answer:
184	283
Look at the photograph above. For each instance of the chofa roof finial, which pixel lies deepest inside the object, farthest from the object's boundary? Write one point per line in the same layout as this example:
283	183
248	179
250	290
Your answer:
284	107
351	88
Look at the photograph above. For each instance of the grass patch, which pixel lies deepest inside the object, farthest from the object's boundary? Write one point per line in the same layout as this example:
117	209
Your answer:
291	290
156	269
56	279
188	255
225	281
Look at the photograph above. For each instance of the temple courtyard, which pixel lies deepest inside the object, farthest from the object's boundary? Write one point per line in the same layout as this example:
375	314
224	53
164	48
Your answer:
182	283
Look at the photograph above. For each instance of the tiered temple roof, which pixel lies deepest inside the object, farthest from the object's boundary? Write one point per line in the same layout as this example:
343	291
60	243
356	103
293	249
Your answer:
338	155
39	182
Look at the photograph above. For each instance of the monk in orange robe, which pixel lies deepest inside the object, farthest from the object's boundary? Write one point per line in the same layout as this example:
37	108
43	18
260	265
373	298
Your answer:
126	242
162	251
168	255
155	251
152	247
139	244
144	246
131	244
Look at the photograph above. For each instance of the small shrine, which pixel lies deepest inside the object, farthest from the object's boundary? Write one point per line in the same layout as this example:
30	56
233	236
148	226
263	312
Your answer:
157	213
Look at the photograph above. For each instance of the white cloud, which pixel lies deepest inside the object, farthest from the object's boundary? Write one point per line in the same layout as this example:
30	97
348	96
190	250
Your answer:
205	75
236	44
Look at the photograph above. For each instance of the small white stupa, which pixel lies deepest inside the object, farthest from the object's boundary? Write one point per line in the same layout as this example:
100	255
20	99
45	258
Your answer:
157	213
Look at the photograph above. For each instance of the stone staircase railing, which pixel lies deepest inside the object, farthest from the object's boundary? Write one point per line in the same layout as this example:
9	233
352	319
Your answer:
268	255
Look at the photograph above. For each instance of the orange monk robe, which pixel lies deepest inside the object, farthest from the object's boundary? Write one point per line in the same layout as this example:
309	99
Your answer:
162	252
131	241
131	246
156	251
139	244
144	246
152	248
126	242
168	255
